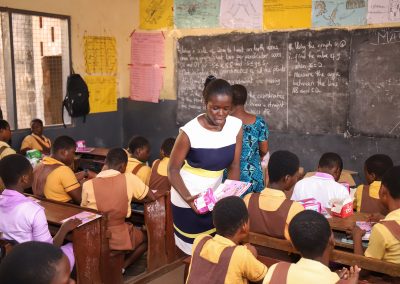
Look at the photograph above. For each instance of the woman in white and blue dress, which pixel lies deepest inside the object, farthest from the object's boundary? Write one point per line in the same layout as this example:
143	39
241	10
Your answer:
205	146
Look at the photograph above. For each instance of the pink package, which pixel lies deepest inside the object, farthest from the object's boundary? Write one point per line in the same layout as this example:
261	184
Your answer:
311	204
206	201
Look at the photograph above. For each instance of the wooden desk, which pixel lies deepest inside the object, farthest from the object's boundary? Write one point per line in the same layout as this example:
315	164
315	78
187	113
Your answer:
92	254
93	160
342	224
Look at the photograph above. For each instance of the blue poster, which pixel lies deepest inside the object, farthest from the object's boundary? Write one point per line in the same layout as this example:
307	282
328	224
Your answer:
333	13
196	13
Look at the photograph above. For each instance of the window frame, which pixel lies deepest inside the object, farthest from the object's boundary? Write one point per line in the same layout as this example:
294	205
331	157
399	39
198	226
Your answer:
11	11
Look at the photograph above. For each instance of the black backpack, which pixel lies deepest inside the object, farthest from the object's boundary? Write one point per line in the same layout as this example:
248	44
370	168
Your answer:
76	100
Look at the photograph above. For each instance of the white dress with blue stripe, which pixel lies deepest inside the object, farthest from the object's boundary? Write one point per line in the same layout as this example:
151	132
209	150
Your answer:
210	153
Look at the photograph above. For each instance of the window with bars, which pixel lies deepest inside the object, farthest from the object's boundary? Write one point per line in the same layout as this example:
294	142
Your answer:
34	66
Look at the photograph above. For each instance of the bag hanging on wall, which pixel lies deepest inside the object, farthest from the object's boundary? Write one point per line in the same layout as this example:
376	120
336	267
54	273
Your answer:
76	101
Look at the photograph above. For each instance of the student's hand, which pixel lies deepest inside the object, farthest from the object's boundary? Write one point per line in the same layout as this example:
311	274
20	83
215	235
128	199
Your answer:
343	273
190	201
252	249
70	225
354	274
357	233
375	217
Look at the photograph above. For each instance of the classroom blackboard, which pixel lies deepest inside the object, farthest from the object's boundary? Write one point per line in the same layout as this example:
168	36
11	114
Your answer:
303	81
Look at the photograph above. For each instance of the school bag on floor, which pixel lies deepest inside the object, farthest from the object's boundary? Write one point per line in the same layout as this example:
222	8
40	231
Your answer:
76	101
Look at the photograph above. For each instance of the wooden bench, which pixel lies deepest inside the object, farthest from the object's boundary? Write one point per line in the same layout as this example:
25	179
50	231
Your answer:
93	160
94	261
338	256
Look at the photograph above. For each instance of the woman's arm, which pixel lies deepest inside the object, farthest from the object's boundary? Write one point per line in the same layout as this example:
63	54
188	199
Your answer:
177	158
234	168
263	145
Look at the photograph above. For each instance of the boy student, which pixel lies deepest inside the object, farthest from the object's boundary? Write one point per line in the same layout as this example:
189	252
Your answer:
269	211
21	218
311	235
323	186
54	179
159	175
367	196
221	259
112	192
36	140
139	151
5	136
384	242
35	263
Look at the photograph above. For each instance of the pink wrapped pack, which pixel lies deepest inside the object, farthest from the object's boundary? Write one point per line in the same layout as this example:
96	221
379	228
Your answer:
311	204
343	208
206	201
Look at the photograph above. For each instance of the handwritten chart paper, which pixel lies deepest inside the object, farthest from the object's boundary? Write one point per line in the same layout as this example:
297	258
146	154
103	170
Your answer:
102	93
330	13
241	14
287	14
100	55
196	13
156	14
147	65
383	11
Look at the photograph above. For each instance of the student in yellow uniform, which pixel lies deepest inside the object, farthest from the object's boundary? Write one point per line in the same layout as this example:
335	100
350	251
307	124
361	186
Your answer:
139	153
270	211
366	198
384	242
54	179
159	171
221	259
5	136
36	140
111	192
311	235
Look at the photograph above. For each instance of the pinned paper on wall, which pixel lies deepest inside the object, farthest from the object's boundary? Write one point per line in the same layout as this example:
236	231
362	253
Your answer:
196	13
156	14
383	11
238	14
102	93
100	55
147	66
331	13
146	83
287	14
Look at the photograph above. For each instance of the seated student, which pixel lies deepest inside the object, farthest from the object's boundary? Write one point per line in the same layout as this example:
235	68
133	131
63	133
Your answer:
35	263
221	259
311	235
159	177
384	242
5	136
139	152
112	192
54	179
367	196
323	186
269	211
21	218
36	140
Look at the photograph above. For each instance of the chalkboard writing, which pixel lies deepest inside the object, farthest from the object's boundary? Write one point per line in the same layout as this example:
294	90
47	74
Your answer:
305	81
375	82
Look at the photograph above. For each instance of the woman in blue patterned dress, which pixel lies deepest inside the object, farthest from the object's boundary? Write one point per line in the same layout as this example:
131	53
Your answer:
255	141
205	146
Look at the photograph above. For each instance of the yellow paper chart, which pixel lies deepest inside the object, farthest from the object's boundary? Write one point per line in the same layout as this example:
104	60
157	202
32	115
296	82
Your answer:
102	93
156	14
287	14
100	55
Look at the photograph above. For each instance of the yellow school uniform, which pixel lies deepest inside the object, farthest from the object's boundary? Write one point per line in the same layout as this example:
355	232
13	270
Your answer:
271	200
306	271
162	167
7	151
144	172
135	189
243	264
382	244
31	141
373	192
60	181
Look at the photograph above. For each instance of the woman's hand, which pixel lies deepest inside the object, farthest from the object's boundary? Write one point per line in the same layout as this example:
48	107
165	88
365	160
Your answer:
190	201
